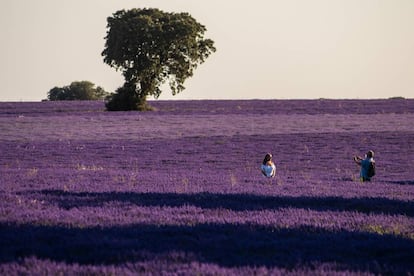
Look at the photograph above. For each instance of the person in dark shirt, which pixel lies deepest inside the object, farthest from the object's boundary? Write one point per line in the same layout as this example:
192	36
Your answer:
367	166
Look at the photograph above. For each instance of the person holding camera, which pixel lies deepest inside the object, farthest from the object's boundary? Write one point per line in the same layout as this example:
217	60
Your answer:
367	166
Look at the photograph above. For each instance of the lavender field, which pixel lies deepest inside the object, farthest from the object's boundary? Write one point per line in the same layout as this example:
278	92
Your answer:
179	190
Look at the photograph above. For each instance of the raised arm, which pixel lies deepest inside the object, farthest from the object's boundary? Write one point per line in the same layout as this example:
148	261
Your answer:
357	160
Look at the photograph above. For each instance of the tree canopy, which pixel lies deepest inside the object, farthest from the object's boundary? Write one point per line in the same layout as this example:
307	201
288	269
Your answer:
77	90
151	47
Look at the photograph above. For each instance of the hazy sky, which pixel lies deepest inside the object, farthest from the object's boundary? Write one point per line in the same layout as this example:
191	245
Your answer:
266	49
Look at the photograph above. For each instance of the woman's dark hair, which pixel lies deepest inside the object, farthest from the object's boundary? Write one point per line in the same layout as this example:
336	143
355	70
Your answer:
267	158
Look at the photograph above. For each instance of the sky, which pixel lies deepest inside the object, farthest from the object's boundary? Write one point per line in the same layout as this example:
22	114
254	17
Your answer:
266	49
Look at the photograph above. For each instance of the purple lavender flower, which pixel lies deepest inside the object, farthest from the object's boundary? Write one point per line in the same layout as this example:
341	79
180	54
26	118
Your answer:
179	190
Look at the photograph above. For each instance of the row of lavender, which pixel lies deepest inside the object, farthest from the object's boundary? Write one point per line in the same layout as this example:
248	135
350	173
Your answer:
321	106
178	191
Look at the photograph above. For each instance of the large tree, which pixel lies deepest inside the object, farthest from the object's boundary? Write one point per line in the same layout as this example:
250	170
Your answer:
151	47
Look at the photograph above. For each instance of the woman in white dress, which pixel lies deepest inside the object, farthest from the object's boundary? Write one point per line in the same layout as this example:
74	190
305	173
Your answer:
268	168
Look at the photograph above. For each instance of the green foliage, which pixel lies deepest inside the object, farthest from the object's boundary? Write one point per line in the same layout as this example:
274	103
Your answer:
396	98
151	47
125	98
77	90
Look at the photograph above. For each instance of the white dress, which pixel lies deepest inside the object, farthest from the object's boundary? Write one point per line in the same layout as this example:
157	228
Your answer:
268	170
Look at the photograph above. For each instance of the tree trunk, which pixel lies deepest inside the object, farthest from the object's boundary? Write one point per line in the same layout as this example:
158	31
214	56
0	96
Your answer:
142	93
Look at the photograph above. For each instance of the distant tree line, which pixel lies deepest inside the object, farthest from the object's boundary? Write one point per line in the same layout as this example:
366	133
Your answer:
77	91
